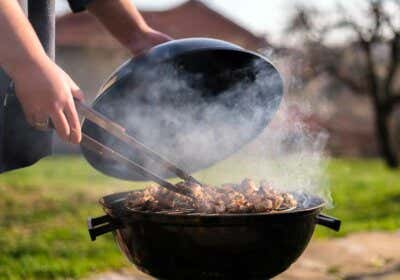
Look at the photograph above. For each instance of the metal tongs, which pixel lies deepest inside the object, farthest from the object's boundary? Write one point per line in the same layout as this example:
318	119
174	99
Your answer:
120	132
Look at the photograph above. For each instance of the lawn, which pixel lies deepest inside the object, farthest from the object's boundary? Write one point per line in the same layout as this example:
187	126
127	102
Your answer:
43	211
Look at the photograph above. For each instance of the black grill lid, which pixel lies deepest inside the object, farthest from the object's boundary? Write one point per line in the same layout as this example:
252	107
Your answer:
194	101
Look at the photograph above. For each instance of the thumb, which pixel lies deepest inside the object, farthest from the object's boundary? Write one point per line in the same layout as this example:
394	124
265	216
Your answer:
78	94
75	90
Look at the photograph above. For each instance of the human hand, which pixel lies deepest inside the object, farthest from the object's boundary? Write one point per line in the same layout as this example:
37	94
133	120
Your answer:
147	39
46	92
126	24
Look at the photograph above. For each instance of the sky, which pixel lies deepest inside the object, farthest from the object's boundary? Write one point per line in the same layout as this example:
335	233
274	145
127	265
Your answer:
260	16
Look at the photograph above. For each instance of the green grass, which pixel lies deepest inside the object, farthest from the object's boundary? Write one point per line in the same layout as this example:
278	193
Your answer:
43	211
366	195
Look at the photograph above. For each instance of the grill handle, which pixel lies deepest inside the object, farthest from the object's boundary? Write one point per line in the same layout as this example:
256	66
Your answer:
101	225
329	222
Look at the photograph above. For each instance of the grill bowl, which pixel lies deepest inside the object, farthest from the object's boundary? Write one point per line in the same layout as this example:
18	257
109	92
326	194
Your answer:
210	246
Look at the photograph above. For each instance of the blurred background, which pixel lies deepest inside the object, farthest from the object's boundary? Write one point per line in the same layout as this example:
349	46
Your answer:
321	58
340	62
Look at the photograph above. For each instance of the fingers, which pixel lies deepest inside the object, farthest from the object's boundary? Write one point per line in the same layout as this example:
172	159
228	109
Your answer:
78	94
71	113
75	90
61	124
39	121
164	37
73	121
30	118
66	123
58	105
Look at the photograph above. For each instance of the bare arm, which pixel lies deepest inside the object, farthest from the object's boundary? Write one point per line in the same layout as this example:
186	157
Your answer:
42	88
125	22
19	43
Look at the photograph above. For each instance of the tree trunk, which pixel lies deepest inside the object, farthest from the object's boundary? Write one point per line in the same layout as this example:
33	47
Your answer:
382	130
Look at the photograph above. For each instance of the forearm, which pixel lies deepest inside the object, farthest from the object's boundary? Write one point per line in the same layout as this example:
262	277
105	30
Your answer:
121	18
19	46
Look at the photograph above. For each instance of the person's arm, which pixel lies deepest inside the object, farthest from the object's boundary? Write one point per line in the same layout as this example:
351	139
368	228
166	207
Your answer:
126	24
42	88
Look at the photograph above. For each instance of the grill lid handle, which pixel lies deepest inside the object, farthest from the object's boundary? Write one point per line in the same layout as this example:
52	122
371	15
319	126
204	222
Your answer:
329	222
101	225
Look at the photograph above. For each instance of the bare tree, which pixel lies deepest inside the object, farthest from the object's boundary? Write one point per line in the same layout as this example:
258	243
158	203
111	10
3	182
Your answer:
358	64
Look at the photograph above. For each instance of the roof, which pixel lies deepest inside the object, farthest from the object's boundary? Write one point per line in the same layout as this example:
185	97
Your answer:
191	19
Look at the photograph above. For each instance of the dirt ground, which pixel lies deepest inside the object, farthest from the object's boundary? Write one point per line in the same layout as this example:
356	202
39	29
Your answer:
363	256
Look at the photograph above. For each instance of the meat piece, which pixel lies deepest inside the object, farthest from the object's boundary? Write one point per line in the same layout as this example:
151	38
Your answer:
136	200
264	184
181	203
276	202
260	204
237	203
220	206
288	201
228	188
246	197
248	187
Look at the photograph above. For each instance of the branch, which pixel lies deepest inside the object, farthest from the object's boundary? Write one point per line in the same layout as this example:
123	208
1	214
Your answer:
394	99
345	79
388	20
376	10
347	21
366	46
372	77
393	65
391	103
305	21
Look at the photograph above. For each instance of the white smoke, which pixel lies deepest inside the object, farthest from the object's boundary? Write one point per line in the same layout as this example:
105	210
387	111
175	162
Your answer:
289	153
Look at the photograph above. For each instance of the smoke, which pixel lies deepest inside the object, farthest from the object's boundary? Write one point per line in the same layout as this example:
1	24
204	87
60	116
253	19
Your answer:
290	154
197	114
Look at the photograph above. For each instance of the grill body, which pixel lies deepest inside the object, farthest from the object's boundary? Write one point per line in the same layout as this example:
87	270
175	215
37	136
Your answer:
201	246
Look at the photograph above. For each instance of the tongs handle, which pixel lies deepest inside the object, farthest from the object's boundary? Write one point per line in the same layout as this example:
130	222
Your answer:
120	132
107	152
99	119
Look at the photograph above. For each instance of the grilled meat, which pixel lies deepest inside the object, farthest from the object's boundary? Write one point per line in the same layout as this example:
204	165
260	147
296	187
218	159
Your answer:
245	197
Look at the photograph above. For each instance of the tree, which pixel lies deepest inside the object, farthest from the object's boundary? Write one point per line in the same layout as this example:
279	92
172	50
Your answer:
361	64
